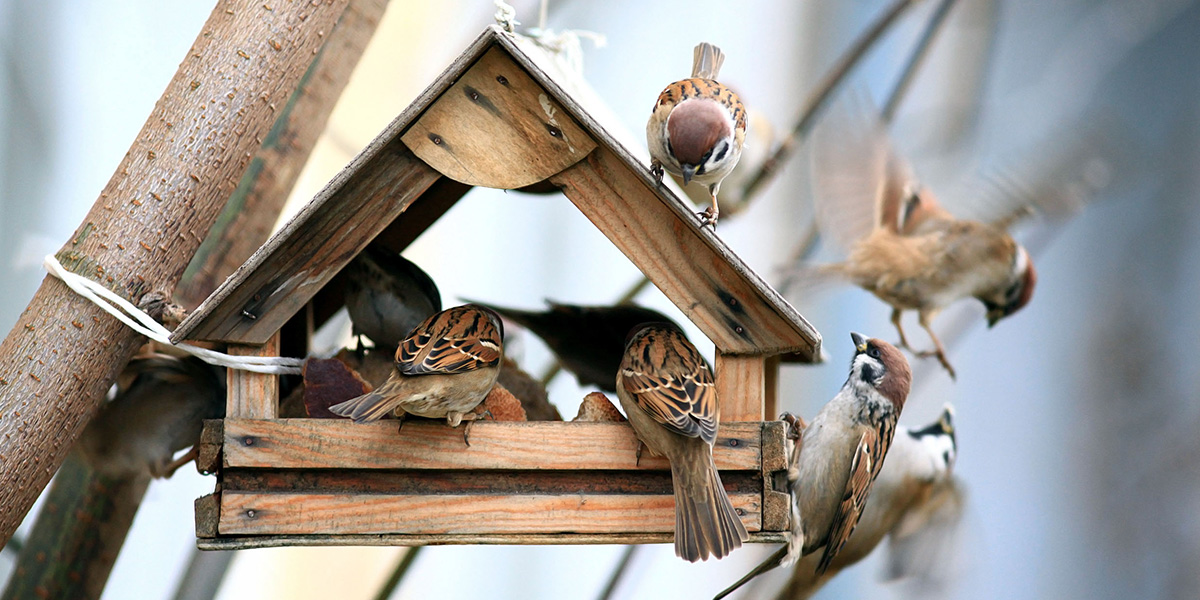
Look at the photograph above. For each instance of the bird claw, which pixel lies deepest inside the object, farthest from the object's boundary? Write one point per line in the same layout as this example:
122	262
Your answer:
708	218
796	425
941	356
656	170
637	455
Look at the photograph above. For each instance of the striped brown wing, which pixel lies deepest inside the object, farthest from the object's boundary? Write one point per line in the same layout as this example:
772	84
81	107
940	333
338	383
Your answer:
670	381
868	459
457	340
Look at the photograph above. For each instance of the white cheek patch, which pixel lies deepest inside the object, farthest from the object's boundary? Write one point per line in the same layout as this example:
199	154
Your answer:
1020	261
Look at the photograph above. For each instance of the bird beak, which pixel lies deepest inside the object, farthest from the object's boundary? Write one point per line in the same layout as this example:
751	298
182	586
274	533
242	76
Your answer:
860	342
688	171
994	317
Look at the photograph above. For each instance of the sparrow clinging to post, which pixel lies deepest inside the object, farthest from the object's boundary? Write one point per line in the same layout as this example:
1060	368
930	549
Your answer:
839	455
670	399
697	128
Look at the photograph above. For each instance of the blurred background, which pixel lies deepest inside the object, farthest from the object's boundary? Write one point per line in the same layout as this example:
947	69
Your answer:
1077	418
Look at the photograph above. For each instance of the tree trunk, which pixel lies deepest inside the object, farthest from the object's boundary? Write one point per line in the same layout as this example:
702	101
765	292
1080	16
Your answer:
64	352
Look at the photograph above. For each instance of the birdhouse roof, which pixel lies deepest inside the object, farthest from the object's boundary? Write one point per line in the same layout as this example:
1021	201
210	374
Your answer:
505	114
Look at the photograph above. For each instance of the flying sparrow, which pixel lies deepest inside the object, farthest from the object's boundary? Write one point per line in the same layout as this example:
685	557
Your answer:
443	369
839	455
903	246
915	503
387	295
589	341
670	398
697	128
158	414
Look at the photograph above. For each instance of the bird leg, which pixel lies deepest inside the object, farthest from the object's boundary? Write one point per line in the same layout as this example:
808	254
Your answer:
637	455
454	419
900	329
939	351
656	170
400	417
708	216
166	471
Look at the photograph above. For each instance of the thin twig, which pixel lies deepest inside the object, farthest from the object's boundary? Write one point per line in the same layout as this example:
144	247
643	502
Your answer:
393	580
618	573
916	58
804	249
824	91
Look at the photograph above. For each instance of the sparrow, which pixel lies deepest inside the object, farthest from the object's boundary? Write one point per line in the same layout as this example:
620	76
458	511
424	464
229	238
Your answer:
697	128
915	503
589	341
839	455
159	413
670	399
443	369
903	247
758	147
387	295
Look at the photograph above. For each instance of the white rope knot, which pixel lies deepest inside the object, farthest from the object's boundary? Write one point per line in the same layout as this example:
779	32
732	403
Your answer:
142	323
506	16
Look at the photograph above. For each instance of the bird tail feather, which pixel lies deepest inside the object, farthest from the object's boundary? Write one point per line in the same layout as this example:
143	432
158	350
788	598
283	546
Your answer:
706	61
705	520
368	407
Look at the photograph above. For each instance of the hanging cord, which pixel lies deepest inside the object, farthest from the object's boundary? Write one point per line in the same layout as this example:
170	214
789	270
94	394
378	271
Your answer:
142	323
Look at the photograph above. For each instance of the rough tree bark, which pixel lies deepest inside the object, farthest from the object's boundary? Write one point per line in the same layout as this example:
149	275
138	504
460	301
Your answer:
72	558
63	353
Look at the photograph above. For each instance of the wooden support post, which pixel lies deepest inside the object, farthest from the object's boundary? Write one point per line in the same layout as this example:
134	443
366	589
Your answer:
253	395
741	387
771	391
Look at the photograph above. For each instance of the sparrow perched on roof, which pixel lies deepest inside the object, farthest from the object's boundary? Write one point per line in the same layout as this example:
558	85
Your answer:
158	414
839	455
670	398
697	128
903	246
915	502
387	295
589	341
443	369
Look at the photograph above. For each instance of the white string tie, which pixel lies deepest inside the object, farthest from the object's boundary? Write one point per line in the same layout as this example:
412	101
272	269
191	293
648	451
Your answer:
142	323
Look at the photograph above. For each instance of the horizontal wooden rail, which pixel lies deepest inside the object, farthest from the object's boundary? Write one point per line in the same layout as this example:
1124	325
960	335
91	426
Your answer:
343	444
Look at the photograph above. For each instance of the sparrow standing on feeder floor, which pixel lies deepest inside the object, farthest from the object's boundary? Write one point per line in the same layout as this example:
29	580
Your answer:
840	454
589	341
443	369
697	128
903	246
387	295
670	399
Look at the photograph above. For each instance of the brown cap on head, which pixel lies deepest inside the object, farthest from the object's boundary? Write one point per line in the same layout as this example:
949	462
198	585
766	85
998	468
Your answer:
897	380
693	128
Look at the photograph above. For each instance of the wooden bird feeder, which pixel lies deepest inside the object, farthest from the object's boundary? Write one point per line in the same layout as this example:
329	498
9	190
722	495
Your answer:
500	116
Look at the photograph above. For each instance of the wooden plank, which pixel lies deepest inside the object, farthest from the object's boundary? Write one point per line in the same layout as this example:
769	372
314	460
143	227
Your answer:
302	257
693	268
495	127
343	444
253	395
741	386
281	513
385	157
208	449
493	482
208	509
249	542
777	497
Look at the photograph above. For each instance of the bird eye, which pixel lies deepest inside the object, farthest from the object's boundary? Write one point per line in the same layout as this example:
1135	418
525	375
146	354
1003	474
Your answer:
873	352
